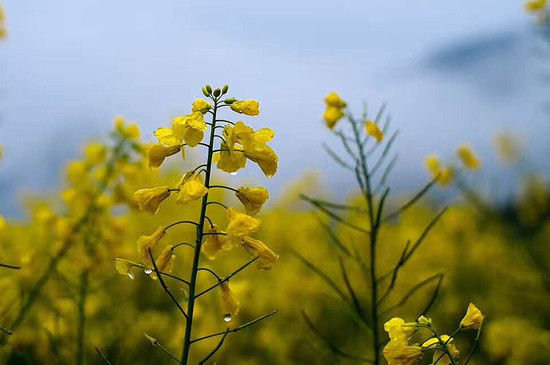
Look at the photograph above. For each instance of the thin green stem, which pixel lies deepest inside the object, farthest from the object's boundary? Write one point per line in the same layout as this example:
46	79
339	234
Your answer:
223	187
196	258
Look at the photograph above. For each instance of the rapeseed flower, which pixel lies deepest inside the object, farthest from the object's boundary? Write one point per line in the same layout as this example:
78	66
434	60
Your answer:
201	105
165	261
146	243
240	224
252	198
150	199
534	6
334	111
3	29
256	248
189	128
156	154
247	107
468	157
166	137
191	188
400	353
130	131
230	305
215	241
473	318
373	130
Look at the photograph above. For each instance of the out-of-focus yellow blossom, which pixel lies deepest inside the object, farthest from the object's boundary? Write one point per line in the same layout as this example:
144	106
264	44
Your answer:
1	152
508	148
150	199
191	188
201	105
444	174
215	241
536	5
3	223
77	172
190	128
424	321
240	224
334	111
166	137
473	318
144	243
374	131
252	198
398	329
3	29
332	115
247	107
130	131
95	153
230	305
156	154
165	261
400	353
266	257
468	157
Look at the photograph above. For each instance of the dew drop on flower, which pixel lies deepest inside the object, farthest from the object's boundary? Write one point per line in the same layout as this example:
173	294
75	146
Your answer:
130	275
227	317
148	271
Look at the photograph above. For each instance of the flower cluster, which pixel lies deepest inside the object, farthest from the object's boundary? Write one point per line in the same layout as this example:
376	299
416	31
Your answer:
539	8
398	351
446	173
238	143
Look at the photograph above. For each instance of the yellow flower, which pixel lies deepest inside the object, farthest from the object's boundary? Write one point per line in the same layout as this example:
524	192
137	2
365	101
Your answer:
201	105
468	157
230	160
3	223
77	172
445	174
215	242
252	199
432	164
1	152
374	131
473	318
424	321
334	100
534	6
150	199
164	262
398	330
240	224
95	153
191	188
144	243
124	267
166	137
189	128
400	353
156	154
130	132
265	157
332	116
247	107
230	305
3	30
444	359
256	248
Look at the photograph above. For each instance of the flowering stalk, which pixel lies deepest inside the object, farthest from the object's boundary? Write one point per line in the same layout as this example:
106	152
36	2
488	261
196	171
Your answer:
238	144
370	169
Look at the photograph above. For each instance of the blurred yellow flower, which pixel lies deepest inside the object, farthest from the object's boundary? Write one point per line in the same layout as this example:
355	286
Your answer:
444	174
535	5
150	199
240	224
230	305
256	248
146	243
3	29
77	172
130	131
189	128
332	115
191	188
201	105
508	147
473	318
252	198
374	131
1	152
215	241
247	107
400	353
3	223
468	157
334	100
156	154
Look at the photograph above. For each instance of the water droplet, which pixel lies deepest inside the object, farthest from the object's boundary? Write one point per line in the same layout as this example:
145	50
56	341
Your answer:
227	317
130	275
148	271
234	173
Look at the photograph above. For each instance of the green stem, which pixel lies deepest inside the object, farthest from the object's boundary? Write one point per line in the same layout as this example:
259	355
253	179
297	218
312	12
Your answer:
196	258
82	317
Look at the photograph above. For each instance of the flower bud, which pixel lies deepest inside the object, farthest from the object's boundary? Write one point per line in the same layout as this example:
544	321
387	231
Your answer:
217	92
205	91
209	89
230	100
225	88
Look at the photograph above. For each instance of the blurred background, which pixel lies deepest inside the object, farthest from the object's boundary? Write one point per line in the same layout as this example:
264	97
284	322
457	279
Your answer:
450	72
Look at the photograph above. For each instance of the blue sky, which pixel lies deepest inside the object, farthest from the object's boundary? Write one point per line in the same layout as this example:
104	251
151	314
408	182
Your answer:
449	71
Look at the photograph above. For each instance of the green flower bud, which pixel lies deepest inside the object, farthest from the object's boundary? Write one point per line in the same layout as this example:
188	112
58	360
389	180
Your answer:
205	92
209	89
224	89
230	100
217	92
